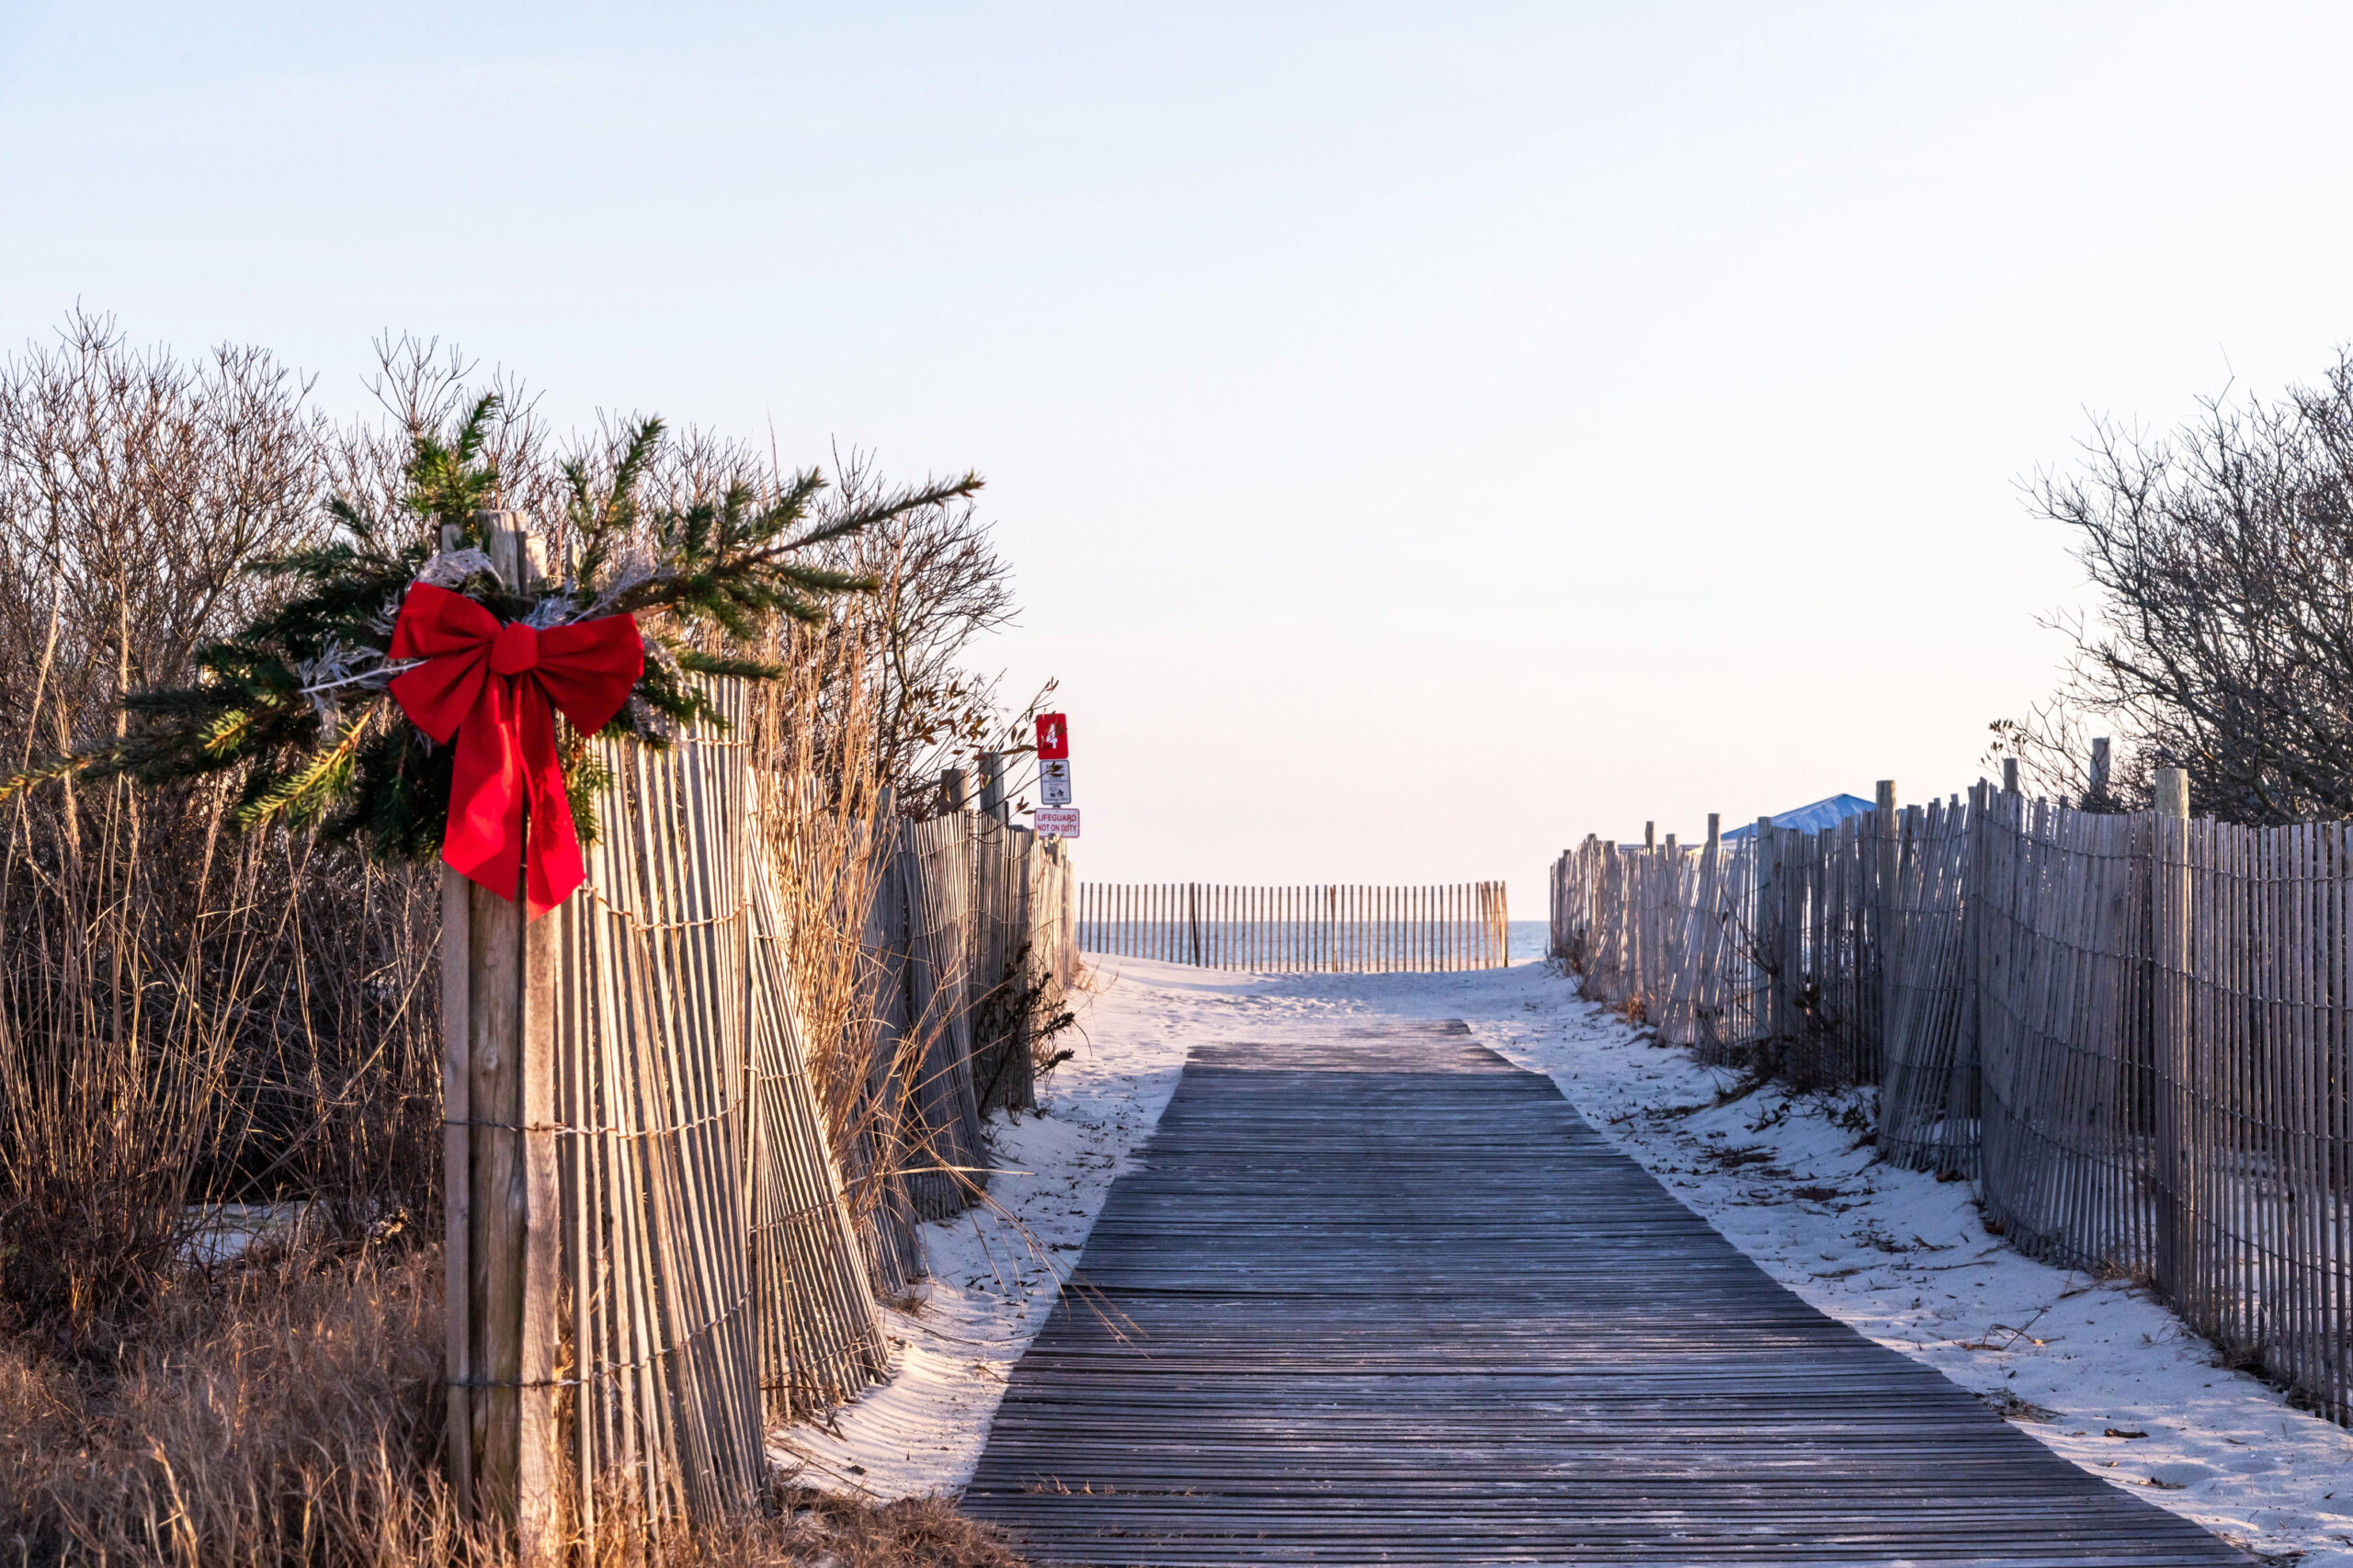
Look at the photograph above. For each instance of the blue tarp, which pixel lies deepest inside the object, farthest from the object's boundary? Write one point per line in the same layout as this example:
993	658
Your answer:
1813	818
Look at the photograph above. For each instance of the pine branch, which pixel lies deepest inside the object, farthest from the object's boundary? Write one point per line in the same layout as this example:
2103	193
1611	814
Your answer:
761	578
305	795
41	772
722	571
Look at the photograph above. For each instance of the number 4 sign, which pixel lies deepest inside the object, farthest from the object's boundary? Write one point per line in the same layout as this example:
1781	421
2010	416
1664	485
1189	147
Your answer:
1053	759
1053	738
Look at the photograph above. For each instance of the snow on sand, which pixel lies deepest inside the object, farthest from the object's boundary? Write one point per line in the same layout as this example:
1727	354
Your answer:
1899	1255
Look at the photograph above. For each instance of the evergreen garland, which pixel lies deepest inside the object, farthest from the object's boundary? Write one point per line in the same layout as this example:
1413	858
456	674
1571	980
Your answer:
295	703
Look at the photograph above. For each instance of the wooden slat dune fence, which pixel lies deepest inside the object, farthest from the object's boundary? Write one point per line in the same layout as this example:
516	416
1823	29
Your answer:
1325	927
657	1243
2133	1032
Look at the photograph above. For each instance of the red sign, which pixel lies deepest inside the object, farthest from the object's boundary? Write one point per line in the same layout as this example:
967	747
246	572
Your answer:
1061	823
1053	737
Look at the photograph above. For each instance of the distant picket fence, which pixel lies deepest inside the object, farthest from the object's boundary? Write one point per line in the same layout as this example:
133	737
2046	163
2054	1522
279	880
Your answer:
1320	927
2133	1032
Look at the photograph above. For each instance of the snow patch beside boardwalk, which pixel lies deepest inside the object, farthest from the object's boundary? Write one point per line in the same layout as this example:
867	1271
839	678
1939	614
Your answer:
1899	1255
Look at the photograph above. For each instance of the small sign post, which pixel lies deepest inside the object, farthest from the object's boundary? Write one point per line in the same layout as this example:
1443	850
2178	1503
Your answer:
1053	770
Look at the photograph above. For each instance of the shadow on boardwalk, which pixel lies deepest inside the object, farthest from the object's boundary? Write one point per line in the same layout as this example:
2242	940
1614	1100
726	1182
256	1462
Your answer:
1375	1295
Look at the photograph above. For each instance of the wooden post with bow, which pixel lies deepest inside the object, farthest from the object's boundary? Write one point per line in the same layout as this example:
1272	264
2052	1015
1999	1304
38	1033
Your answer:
498	1084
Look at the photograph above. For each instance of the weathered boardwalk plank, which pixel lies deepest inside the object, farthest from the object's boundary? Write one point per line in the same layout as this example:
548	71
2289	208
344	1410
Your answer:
1377	1296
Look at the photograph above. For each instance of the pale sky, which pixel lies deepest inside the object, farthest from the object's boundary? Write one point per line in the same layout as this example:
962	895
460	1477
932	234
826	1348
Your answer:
1425	434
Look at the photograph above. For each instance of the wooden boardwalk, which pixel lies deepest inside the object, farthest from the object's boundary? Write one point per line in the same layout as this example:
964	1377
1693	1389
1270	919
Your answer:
1376	1296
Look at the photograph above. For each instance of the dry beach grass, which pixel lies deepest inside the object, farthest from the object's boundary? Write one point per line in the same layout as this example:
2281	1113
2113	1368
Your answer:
289	1411
280	1413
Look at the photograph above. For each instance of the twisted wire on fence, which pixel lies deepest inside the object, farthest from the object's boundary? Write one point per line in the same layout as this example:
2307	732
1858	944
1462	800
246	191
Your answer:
1005	873
2253	1158
944	1123
2064	1033
2133	1032
878	1127
651	1141
806	1252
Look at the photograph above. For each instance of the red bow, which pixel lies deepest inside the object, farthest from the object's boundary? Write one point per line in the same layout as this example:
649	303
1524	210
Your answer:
492	686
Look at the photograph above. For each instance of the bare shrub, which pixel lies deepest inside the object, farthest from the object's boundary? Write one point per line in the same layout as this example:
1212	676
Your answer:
185	1015
939	586
2222	642
134	488
182	1015
420	386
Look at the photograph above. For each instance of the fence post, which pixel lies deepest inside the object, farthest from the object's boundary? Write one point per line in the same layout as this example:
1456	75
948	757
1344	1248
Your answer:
1066	950
1669	872
1960	1145
1883	912
952	790
1989	966
1765	940
2097	795
503	1261
992	802
456	1154
2170	923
